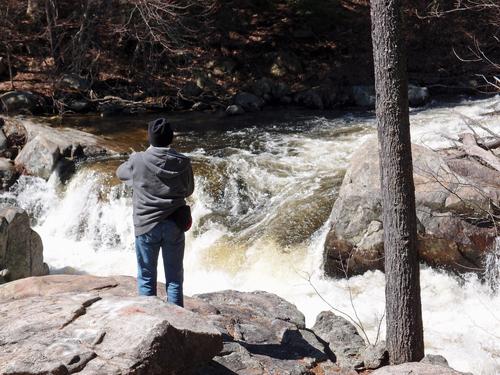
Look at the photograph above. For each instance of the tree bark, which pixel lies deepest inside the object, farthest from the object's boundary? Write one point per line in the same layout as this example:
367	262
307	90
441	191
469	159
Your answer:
403	306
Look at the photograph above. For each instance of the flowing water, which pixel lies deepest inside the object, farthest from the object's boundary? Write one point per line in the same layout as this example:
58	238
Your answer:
265	187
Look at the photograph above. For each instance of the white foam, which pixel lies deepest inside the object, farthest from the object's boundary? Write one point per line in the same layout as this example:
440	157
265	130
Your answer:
246	219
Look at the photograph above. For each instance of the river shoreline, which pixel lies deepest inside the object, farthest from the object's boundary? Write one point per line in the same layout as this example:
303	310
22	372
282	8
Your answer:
261	208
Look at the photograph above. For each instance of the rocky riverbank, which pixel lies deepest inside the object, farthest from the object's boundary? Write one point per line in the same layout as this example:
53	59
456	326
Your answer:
74	96
86	324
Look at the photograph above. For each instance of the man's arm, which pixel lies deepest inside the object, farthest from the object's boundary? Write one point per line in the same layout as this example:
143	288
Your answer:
124	171
190	181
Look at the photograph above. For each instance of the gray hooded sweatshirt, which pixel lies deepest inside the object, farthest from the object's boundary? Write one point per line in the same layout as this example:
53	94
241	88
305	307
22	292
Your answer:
161	179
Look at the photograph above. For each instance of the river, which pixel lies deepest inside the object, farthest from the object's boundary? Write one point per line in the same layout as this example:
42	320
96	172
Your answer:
265	186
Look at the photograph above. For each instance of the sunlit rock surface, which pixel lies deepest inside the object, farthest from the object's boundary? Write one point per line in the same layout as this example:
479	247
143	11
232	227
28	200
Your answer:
447	200
76	324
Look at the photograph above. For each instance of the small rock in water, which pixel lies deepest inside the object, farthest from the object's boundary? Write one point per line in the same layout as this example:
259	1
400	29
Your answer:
200	106
418	96
234	110
8	173
249	102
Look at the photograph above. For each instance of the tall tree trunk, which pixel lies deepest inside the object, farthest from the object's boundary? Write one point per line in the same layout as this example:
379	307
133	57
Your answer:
404	312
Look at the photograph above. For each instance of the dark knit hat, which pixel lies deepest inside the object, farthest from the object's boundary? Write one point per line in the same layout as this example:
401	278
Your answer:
160	133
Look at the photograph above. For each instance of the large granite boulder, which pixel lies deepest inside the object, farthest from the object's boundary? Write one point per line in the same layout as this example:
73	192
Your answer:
46	148
93	334
261	332
21	248
447	195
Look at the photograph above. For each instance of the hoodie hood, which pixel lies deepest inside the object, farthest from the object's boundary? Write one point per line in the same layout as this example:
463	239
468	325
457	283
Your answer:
165	163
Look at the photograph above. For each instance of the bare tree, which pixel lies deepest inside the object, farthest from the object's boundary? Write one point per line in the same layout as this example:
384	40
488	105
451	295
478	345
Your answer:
403	305
488	12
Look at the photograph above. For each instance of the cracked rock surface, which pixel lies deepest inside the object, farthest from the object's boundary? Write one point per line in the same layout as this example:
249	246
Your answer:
453	197
95	325
96	332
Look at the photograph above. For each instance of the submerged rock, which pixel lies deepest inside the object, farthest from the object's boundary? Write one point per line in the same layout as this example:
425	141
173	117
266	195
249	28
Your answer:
444	199
21	248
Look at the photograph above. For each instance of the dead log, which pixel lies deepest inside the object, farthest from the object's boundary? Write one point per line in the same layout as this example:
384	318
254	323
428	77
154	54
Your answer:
471	148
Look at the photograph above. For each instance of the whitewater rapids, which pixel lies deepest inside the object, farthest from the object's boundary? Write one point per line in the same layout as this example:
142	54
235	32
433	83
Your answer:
261	206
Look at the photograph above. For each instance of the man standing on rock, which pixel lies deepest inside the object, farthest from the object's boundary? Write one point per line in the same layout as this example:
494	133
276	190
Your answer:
161	179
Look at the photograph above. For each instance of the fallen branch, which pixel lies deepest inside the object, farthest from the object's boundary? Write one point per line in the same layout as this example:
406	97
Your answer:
471	148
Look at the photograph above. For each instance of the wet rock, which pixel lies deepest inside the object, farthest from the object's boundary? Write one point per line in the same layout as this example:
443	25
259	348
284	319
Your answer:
342	338
24	102
46	146
89	333
21	248
375	356
418	96
200	106
249	102
234	110
3	141
79	105
73	83
8	173
355	241
262	334
416	368
310	99
39	157
434	359
363	96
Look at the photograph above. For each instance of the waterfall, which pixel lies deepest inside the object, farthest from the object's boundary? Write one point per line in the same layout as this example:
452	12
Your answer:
261	206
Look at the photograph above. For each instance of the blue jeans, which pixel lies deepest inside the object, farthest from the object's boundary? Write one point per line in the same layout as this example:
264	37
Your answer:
170	238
